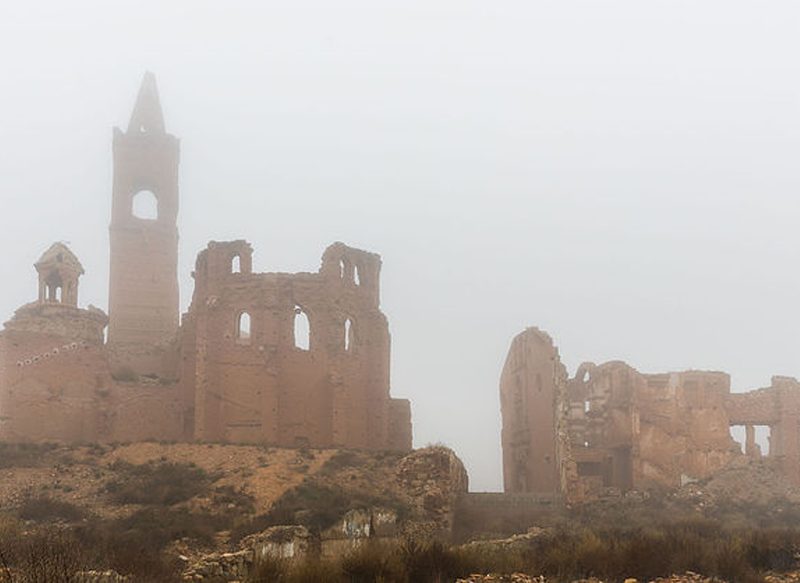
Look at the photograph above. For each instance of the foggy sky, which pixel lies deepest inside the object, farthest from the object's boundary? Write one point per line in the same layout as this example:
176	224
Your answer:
622	174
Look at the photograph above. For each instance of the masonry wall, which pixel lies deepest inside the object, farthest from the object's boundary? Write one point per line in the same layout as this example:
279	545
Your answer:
143	290
262	387
529	385
56	387
631	430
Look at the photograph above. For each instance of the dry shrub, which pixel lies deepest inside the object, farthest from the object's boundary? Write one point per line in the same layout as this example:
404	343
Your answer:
45	509
23	455
161	484
372	561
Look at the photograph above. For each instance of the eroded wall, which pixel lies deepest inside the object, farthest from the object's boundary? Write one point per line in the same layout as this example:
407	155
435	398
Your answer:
628	430
263	384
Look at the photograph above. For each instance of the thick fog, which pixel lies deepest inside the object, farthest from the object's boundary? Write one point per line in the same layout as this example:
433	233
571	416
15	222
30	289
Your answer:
623	175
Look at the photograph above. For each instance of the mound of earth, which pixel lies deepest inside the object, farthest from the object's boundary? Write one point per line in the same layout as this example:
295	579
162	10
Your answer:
224	492
744	481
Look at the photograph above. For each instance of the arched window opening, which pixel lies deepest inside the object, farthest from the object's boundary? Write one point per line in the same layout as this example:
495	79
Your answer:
349	335
58	294
342	269
236	264
357	275
243	328
302	329
145	205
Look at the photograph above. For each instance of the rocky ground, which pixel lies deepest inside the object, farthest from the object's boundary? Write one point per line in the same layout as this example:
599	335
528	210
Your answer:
688	577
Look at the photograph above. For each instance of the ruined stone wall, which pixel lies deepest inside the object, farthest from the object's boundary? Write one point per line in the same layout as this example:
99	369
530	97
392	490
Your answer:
258	384
400	433
685	430
529	385
56	388
629	430
777	407
53	361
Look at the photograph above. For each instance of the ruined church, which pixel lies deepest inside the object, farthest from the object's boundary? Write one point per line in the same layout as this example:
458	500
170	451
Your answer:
611	429
236	367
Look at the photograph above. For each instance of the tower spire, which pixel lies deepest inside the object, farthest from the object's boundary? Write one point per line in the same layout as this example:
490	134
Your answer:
147	116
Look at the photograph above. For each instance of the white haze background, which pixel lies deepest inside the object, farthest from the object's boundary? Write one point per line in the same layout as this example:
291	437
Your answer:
623	174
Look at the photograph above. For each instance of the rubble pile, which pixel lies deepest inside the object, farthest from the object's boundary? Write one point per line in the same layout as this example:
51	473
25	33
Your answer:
221	566
745	481
688	577
494	578
100	577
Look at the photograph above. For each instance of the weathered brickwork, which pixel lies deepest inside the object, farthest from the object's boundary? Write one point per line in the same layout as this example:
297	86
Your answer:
612	428
284	359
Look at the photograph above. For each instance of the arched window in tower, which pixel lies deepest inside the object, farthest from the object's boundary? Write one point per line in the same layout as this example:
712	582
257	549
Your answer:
236	264
243	328
357	275
302	329
349	335
342	270
145	205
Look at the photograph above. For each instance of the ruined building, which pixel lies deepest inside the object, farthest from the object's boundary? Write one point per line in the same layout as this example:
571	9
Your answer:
283	359
612	428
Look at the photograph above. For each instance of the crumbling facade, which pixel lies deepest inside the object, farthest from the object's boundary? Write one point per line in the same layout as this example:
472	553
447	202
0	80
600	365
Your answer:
282	359
612	428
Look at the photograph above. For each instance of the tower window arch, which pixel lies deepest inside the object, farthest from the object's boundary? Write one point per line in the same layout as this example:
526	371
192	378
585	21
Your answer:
302	329
236	264
244	331
357	275
145	205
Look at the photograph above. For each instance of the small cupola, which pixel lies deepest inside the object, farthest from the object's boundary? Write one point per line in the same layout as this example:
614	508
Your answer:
59	271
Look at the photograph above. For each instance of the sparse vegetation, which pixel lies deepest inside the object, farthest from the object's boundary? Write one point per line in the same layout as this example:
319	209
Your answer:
163	483
23	455
316	506
46	509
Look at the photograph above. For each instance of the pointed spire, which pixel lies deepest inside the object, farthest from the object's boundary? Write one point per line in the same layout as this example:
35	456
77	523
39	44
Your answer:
147	116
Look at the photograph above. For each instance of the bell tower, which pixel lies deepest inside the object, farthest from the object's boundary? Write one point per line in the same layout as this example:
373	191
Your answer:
143	294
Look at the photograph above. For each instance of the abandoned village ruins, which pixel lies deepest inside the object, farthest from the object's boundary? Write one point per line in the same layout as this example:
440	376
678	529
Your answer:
234	368
612	429
296	360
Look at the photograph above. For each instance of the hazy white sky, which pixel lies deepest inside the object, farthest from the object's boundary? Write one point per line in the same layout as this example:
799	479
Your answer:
623	174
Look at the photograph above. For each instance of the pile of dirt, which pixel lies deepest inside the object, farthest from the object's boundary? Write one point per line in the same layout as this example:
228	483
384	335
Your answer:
744	481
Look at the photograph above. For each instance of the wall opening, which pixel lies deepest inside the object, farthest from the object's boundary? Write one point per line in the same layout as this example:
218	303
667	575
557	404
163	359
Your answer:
761	435
738	435
357	275
342	269
243	328
145	205
348	335
54	288
236	264
302	329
